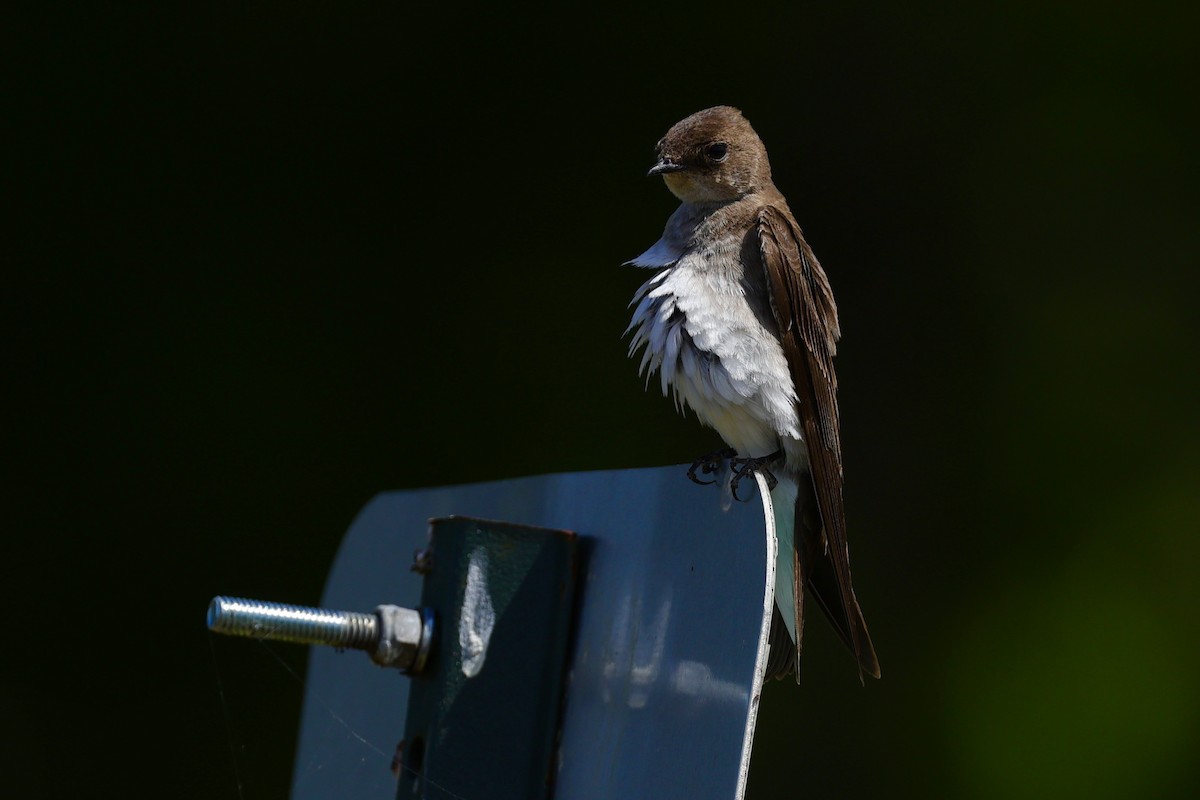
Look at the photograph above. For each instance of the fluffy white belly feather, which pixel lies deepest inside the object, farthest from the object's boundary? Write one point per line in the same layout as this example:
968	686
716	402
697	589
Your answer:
708	346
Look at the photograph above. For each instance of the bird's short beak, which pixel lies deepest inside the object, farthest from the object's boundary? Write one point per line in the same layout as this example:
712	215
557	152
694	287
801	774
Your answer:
664	165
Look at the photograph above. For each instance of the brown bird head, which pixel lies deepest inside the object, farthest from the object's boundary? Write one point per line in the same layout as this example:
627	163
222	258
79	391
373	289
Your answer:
712	156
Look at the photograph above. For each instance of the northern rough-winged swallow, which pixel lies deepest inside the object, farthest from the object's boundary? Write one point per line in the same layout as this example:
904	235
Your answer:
740	322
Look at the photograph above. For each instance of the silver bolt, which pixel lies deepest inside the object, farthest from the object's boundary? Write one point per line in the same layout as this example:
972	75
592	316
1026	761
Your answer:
395	637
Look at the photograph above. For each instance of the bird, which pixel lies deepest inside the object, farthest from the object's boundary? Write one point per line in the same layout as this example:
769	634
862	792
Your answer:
739	321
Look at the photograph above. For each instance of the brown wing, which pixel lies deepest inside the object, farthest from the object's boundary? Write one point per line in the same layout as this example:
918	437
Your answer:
808	327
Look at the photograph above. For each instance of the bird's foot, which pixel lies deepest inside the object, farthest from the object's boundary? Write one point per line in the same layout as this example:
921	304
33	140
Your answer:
747	466
708	464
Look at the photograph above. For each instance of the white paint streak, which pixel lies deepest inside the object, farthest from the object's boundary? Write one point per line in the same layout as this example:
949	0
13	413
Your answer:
764	637
478	615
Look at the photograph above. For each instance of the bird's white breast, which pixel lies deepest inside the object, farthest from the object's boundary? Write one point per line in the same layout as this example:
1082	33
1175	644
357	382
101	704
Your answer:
704	339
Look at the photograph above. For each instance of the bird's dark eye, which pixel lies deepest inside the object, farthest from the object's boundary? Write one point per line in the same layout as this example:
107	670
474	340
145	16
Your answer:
717	151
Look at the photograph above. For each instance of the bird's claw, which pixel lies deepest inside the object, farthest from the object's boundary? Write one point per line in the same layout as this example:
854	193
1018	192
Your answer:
708	464
747	466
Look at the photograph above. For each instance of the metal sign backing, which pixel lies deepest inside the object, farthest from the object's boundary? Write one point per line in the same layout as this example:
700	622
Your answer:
665	670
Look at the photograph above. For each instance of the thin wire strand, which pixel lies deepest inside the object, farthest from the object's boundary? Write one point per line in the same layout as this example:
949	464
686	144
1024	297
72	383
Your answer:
237	775
337	718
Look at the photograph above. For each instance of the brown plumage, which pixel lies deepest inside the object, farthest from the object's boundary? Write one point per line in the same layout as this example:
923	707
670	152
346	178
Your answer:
716	164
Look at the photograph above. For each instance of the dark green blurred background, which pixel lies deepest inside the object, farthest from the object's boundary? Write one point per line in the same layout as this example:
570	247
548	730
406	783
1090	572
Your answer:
275	258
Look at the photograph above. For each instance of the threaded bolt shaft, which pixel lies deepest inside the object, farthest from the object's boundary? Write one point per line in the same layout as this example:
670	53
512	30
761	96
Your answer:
257	619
